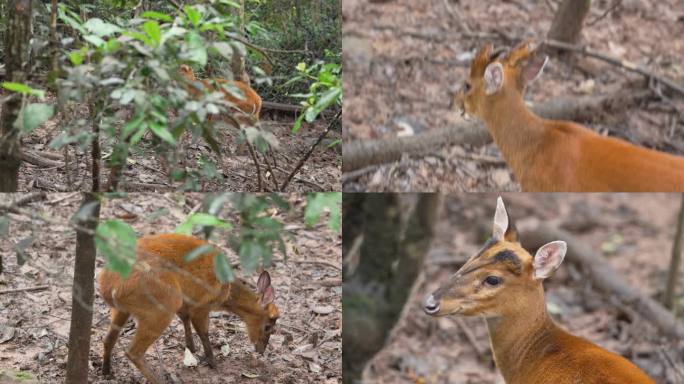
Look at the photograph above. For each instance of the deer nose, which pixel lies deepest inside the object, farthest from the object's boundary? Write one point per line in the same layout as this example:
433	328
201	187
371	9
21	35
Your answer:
431	306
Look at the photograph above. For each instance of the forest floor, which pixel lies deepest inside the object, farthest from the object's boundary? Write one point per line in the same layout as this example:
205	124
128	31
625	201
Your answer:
632	232
34	325
235	173
403	59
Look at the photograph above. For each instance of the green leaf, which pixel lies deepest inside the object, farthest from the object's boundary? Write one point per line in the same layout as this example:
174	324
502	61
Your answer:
317	203
250	255
101	28
33	116
157	16
77	57
197	50
202	220
17	87
224	49
153	31
132	125
197	252
193	15
215	202
117	241
222	268
161	132
95	40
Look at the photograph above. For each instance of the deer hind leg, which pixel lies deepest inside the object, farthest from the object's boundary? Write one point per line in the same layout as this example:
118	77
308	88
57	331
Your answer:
119	318
150	327
189	342
200	320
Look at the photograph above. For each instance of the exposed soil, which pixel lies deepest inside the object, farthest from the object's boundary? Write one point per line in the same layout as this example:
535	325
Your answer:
633	232
34	325
403	59
236	171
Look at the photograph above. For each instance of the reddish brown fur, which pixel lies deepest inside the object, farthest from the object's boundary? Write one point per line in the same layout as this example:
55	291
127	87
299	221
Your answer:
162	285
550	155
249	104
529	348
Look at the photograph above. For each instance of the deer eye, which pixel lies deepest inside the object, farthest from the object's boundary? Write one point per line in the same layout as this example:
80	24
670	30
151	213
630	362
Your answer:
493	280
268	328
466	87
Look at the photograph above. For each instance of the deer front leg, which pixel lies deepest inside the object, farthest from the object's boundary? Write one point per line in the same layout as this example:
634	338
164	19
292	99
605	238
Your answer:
200	320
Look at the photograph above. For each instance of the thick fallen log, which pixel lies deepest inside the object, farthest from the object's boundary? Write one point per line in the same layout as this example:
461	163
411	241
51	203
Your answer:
605	278
362	153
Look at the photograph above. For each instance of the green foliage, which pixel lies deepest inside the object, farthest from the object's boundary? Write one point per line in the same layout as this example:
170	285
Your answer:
134	64
300	31
201	220
317	203
258	230
325	90
117	241
31	115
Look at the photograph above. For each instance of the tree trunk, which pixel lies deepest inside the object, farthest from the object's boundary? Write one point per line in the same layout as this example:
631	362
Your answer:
675	261
391	257
17	38
82	296
567	23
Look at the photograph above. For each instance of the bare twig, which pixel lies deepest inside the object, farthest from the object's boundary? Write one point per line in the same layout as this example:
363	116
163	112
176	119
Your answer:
36	288
353	175
615	4
250	148
308	154
675	261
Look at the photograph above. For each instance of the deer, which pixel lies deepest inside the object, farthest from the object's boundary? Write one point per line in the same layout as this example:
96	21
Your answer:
162	284
503	283
553	155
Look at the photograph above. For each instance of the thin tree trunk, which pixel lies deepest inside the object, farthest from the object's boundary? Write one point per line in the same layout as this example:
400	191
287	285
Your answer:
82	295
391	258
568	21
675	261
18	35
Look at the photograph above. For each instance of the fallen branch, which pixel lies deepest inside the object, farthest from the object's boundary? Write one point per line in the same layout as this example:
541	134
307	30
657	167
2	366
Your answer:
362	153
35	159
37	288
605	278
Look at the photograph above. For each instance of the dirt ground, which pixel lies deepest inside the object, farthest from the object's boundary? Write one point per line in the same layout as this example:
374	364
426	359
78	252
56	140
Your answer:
404	58
237	173
633	232
34	325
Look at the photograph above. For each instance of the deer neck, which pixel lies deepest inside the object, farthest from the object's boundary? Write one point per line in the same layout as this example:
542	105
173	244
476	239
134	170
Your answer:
520	337
517	132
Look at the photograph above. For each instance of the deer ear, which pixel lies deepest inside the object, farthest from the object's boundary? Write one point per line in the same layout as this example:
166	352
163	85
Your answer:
548	258
493	78
500	220
264	282
533	67
267	297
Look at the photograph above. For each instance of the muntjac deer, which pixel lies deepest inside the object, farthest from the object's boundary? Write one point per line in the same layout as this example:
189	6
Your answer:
503	283
549	155
162	285
249	102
